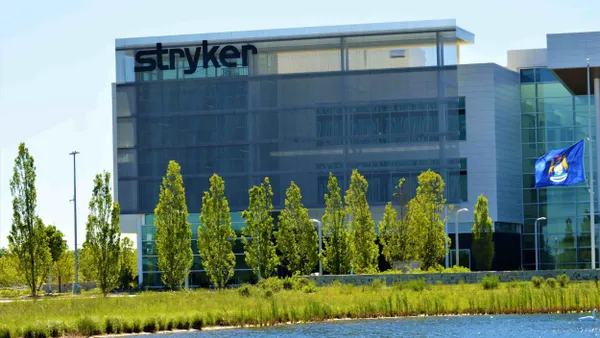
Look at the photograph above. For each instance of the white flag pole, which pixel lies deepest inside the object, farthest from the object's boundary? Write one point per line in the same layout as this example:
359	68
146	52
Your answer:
591	173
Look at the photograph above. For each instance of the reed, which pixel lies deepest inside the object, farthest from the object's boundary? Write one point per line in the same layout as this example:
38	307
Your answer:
271	303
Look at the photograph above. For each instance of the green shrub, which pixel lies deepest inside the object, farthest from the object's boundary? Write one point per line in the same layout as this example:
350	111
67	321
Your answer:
273	283
461	282
537	281
113	325
439	282
490	282
513	284
563	280
127	327
162	323
197	322
416	284
171	324
551	282
456	269
88	326
36	331
398	286
183	323
56	329
137	325
336	284
289	284
4	332
377	284
150	325
309	289
302	282
268	293
245	290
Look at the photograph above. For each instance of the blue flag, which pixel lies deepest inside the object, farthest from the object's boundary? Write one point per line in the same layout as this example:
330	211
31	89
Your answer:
561	167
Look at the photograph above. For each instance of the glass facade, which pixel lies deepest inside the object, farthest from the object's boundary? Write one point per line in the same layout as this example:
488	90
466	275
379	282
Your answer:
552	118
299	110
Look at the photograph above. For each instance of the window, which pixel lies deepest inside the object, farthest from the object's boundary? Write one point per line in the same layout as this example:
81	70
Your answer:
527	75
462	121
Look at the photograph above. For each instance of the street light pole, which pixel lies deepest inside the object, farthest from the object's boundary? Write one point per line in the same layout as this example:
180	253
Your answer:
457	262
76	289
535	225
320	244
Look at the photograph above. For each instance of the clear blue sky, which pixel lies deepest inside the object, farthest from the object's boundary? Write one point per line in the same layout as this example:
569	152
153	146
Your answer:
57	65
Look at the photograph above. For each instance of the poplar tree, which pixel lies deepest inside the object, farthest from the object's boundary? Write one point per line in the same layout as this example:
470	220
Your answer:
103	234
215	235
483	244
27	237
63	269
297	239
424	214
260	251
398	237
336	251
173	231
362	229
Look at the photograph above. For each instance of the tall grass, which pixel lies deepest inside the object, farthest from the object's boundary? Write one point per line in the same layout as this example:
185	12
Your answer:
160	311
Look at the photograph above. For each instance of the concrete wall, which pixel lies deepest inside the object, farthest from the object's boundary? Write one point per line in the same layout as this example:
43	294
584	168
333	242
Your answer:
454	278
570	50
526	58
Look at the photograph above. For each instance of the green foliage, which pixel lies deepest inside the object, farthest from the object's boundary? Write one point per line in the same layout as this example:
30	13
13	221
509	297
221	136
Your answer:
336	253
56	242
89	326
398	236
551	282
364	250
88	271
35	331
196	322
113	325
103	234
27	237
128	267
215	236
245	290
537	281
56	329
273	283
4	332
150	325
63	270
417	285
563	280
377	284
424	215
483	244
297	239
137	325
260	251
309	289
173	231
9	270
490	282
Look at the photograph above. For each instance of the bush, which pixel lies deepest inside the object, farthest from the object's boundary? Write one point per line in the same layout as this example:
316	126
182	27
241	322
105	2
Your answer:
127	327
150	325
563	280
537	281
309	289
183	323
55	329
490	282
439	282
551	282
88	327
137	326
398	285
461	282
113	325
289	284
197	322
273	283
162	323
34	332
336	284
245	290
377	284
513	284
456	269
4	332
268	293
417	284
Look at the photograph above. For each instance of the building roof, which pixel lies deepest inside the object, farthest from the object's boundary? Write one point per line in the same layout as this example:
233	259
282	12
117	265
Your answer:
462	36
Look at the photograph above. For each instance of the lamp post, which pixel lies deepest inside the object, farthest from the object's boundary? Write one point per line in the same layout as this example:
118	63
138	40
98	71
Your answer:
457	263
320	226
535	225
76	289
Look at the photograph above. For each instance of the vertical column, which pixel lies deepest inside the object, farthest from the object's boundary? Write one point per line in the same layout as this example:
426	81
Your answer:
140	252
597	111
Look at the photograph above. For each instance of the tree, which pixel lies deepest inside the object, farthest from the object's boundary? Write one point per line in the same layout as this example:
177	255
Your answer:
63	269
9	270
424	214
58	246
260	251
173	231
297	239
128	266
88	272
27	239
483	244
362	229
398	237
103	234
336	253
215	235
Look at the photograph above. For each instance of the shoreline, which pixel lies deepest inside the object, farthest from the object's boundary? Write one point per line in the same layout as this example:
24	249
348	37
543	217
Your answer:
219	328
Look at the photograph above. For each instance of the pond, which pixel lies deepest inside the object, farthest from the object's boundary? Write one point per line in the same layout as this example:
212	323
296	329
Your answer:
556	325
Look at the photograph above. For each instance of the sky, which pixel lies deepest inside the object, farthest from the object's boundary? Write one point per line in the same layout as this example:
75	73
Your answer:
57	64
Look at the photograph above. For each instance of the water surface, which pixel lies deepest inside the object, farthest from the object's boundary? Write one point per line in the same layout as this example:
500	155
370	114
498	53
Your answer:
504	326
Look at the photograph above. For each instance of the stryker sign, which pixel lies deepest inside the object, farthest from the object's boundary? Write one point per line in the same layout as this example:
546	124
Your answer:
149	60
